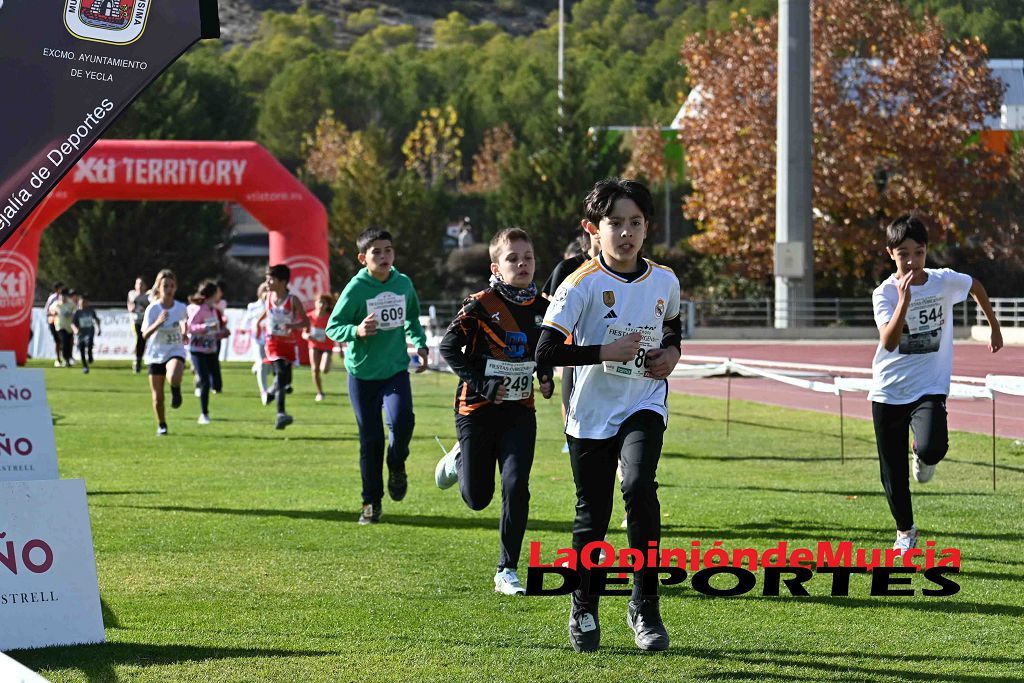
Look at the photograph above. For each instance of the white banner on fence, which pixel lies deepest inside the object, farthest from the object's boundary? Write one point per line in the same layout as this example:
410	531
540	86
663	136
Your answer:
49	594
22	388
27	448
14	672
1005	384
116	340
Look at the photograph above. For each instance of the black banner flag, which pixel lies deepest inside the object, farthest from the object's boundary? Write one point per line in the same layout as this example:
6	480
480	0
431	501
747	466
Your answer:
67	69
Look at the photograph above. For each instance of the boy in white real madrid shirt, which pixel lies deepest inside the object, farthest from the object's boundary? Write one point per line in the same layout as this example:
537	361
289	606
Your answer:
910	374
622	312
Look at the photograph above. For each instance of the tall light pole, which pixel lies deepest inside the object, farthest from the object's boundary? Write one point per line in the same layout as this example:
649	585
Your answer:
794	230
561	54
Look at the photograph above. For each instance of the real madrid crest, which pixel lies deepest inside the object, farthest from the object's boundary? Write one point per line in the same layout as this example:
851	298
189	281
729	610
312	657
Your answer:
659	308
609	298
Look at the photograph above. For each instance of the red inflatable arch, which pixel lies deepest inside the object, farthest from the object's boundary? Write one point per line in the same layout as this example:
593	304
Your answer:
242	172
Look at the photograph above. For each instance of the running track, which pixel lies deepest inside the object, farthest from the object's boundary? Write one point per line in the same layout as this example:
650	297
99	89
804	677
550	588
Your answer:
969	360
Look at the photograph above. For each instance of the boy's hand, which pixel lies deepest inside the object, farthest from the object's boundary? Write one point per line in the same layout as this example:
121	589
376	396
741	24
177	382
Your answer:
424	354
903	286
547	387
162	318
622	349
500	395
661	362
368	327
996	341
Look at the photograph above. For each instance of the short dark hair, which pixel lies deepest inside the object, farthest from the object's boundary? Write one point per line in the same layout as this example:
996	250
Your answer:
64	291
505	236
371	235
280	272
605	193
58	285
907	226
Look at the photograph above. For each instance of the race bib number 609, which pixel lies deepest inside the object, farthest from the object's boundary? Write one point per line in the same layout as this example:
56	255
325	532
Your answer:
389	309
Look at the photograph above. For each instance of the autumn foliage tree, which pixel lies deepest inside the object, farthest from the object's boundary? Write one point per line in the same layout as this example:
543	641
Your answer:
895	112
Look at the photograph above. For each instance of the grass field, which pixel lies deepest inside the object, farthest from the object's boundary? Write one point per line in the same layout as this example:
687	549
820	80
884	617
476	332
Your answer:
230	552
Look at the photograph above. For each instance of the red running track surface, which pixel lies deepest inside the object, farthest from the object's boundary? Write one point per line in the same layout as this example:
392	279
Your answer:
969	360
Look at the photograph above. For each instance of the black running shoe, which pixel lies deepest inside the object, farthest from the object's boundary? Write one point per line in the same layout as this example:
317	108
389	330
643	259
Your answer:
398	483
175	397
370	514
584	629
644	617
283	420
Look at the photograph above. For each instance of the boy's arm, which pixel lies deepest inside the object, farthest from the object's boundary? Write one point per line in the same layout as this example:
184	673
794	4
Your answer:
414	330
299	315
890	333
340	327
464	328
981	296
564	311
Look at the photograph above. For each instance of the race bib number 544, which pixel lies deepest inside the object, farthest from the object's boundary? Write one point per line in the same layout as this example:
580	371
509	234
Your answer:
389	309
637	367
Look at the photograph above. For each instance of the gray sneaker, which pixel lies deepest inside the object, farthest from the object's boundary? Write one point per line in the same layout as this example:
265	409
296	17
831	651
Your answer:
644	617
370	514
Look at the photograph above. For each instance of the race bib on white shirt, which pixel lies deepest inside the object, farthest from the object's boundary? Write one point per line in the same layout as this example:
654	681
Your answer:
650	338
279	321
169	336
389	310
518	377
924	323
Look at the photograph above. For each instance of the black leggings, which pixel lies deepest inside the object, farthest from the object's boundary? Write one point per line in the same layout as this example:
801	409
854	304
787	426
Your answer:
66	345
926	417
283	380
502	435
140	343
594	461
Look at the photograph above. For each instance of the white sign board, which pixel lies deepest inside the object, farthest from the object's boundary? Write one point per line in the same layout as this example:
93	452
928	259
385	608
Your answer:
8	360
27	448
22	388
49	594
14	672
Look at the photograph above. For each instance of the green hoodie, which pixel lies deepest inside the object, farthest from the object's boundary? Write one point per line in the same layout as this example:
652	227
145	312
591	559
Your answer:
384	354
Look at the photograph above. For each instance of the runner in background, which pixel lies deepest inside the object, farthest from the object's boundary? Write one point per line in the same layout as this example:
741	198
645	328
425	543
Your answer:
261	369
204	333
320	347
51	322
86	325
579	251
62	310
282	316
164	323
138	300
221	306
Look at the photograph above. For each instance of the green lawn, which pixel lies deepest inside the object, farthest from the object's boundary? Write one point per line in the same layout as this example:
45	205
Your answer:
230	552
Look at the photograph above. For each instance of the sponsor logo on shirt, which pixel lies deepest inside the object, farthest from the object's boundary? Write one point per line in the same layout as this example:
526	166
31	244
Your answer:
515	344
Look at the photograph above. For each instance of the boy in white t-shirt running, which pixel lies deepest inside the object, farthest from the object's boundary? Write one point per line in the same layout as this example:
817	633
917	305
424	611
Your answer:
622	312
910	374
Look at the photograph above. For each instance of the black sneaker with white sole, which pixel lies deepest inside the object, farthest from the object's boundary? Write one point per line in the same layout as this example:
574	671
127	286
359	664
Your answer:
175	397
644	617
584	629
398	483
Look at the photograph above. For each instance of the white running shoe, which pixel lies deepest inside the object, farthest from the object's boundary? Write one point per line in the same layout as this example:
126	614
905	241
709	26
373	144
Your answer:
204	419
198	392
446	473
905	540
506	582
923	472
319	397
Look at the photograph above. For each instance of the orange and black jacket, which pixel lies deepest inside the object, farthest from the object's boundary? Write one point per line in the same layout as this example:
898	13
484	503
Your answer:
489	326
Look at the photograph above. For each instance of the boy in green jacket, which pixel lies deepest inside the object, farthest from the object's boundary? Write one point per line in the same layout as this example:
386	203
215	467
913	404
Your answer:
376	312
